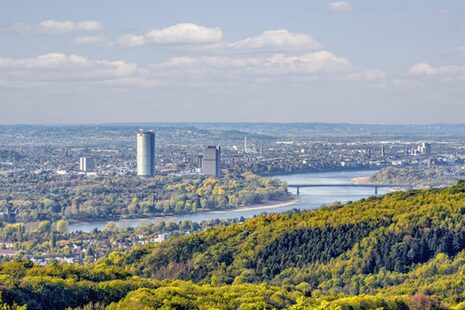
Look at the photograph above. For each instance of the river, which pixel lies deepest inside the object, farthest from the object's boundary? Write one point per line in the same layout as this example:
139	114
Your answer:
310	198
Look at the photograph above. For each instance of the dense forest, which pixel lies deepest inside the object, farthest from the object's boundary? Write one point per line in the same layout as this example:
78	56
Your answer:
404	250
420	176
53	197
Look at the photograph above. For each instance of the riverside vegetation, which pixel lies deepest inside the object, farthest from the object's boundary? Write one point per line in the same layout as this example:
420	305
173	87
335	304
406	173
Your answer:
38	197
404	250
431	176
48	243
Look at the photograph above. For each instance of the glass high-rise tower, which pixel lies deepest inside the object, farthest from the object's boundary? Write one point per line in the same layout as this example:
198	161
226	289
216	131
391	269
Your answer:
211	161
146	153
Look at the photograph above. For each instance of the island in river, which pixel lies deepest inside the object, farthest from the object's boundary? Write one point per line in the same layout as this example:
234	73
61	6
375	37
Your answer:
310	198
40	197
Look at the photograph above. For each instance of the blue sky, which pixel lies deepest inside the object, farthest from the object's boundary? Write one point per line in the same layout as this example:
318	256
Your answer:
295	61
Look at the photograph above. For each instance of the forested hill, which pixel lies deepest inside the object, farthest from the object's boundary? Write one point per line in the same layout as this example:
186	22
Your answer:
404	250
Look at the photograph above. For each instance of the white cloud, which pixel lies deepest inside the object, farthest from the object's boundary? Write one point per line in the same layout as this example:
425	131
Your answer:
179	34
340	6
422	69
209	39
47	61
54	69
461	49
57	27
452	72
58	68
89	25
321	65
280	39
89	40
131	40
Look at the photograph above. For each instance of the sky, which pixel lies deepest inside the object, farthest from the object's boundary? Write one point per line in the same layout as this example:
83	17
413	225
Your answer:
106	61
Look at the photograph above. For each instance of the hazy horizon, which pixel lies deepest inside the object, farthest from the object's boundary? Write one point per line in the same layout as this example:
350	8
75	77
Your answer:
129	124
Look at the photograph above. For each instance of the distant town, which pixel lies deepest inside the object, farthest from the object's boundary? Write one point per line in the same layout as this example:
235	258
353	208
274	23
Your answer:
51	176
183	149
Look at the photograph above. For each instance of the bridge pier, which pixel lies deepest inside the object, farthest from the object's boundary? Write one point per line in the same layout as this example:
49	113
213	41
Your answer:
375	186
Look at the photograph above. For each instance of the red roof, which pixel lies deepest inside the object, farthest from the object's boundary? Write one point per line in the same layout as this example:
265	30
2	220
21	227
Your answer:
7	252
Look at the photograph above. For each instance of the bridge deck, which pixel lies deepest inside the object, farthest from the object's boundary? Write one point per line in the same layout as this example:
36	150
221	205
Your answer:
348	185
375	186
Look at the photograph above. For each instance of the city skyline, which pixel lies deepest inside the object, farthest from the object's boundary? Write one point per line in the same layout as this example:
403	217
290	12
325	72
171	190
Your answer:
312	61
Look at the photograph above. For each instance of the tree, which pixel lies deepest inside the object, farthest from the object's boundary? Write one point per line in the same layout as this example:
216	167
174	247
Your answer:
44	227
420	301
110	226
62	226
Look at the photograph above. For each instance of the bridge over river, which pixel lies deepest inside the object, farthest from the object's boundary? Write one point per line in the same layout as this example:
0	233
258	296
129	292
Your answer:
374	186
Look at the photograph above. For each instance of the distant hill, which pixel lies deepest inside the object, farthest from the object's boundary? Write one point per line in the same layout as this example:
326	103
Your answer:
403	250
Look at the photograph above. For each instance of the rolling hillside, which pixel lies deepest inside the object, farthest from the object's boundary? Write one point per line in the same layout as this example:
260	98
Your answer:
398	251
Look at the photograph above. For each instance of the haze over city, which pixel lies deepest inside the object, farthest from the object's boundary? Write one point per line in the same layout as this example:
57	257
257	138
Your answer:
352	61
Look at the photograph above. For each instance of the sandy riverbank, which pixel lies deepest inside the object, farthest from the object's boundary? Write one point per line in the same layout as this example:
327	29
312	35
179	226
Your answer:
265	206
361	180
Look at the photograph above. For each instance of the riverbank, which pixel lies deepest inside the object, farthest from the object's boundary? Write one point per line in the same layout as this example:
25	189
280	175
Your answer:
361	180
310	198
160	217
264	206
328	170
